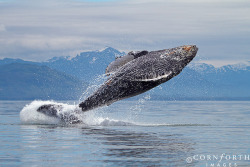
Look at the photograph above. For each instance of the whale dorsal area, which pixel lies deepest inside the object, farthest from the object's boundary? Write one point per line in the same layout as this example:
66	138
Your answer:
121	61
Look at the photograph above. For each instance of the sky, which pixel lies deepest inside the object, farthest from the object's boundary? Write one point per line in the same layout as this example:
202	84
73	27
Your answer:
38	30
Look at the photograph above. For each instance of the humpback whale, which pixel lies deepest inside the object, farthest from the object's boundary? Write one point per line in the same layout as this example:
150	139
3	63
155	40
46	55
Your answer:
133	74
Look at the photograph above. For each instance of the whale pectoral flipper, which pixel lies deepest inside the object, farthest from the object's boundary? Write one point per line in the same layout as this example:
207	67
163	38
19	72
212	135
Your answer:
49	109
121	61
140	53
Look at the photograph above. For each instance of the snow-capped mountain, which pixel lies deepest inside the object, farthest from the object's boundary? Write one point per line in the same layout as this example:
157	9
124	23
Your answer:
86	65
201	67
208	68
228	81
235	67
199	81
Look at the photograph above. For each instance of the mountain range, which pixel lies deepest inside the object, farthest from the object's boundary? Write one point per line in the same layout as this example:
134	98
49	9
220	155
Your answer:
67	77
21	81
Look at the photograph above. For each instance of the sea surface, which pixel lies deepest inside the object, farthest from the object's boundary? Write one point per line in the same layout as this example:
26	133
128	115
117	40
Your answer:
129	133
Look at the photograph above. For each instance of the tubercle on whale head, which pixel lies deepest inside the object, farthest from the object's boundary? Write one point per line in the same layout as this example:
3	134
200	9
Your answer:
184	50
181	53
190	49
186	53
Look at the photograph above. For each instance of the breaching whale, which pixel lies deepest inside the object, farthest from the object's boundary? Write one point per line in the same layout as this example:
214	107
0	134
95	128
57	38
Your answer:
135	73
144	71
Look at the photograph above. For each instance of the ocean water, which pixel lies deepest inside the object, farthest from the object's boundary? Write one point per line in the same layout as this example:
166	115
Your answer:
128	133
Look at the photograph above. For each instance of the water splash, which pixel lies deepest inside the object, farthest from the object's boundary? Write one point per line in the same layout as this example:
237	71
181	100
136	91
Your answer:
69	114
93	86
138	107
29	114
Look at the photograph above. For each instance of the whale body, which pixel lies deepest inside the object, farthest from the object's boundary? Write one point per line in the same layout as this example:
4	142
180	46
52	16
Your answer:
134	74
140	74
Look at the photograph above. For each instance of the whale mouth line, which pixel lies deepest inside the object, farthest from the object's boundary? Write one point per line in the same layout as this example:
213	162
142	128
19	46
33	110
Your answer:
155	78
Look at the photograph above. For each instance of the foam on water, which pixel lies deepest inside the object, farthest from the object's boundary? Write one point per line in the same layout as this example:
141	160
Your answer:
30	115
71	114
68	115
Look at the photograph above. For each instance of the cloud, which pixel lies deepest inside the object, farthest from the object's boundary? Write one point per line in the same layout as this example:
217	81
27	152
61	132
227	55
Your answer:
2	27
37	29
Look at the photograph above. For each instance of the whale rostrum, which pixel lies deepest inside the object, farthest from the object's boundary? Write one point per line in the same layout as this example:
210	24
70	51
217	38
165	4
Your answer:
135	73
